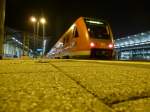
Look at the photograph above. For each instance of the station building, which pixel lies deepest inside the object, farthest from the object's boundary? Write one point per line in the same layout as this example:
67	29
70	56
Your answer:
133	47
19	43
15	44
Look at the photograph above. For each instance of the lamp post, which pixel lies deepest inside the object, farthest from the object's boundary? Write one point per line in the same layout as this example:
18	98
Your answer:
36	31
43	21
2	21
34	20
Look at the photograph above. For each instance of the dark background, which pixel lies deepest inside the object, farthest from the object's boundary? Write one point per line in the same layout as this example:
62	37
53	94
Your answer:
126	17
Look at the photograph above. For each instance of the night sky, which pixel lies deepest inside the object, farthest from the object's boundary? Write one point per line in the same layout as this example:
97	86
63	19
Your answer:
126	17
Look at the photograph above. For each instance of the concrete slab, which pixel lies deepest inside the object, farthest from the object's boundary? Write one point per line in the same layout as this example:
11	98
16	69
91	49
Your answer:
33	86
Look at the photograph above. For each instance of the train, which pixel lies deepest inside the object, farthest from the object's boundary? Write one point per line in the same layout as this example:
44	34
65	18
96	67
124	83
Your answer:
85	38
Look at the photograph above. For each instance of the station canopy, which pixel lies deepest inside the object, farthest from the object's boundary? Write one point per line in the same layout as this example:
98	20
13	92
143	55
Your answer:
133	40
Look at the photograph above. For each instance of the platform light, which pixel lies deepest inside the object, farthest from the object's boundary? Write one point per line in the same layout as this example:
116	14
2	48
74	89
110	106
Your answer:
33	19
17	41
13	38
95	22
43	20
142	33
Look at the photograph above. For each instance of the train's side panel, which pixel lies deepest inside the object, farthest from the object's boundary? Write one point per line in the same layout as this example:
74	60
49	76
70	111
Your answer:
65	40
82	41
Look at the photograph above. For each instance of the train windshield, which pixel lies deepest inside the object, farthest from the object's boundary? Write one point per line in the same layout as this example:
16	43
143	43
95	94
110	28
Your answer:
97	29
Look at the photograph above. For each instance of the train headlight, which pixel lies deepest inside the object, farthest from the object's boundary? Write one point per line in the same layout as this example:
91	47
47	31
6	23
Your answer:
110	45
92	44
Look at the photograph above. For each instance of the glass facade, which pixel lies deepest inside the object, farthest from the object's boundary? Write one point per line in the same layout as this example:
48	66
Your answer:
134	47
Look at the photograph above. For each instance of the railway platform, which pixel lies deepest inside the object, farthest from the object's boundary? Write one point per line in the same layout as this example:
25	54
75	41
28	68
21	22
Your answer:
74	86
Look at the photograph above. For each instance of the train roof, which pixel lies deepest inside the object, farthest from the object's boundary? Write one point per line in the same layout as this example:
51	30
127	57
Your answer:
95	19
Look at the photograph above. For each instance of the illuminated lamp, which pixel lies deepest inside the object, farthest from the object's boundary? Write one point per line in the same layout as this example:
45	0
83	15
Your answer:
110	45
92	44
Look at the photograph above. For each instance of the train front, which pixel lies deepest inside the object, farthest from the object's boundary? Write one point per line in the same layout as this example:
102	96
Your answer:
100	39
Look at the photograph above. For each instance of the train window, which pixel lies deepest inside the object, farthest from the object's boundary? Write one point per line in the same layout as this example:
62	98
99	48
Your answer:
97	30
67	39
64	40
75	33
